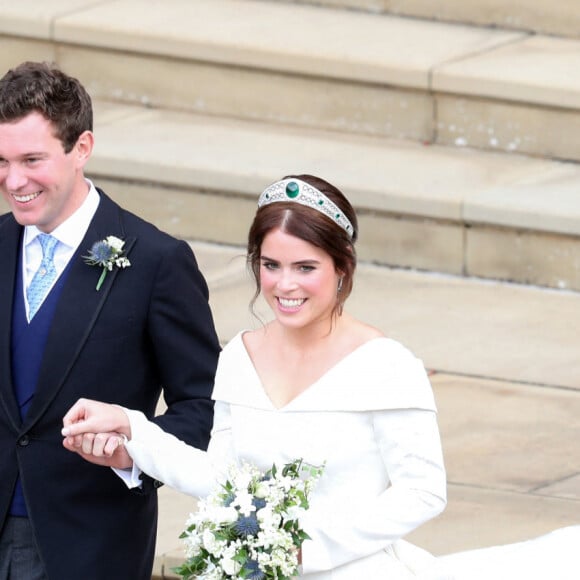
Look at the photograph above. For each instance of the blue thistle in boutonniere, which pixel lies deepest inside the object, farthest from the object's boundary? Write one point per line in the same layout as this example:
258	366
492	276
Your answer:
107	253
249	526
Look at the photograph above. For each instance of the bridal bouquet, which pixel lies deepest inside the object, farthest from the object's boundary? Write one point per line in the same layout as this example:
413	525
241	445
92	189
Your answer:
249	528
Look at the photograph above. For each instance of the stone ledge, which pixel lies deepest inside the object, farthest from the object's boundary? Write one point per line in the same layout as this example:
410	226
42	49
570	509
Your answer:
33	19
429	207
327	43
561	18
523	256
529	202
339	44
465	186
508	127
248	34
537	70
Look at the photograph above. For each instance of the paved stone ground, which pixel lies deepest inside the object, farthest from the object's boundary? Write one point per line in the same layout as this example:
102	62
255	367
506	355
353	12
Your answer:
506	374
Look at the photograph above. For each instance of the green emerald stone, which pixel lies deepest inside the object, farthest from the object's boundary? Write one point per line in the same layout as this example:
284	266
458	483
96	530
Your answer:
292	189
320	202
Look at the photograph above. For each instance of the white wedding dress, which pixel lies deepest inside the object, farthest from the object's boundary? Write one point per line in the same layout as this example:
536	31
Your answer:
372	420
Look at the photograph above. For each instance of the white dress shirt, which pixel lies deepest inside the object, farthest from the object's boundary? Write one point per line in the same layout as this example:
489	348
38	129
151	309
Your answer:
69	234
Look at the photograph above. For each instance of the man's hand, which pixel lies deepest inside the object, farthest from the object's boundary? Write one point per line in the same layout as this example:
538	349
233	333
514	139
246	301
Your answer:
106	449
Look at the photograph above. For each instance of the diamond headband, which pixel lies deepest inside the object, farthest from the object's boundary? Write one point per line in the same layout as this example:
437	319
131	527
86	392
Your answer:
298	191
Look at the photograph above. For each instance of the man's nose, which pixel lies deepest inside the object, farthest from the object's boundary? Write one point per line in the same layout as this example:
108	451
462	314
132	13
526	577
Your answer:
15	177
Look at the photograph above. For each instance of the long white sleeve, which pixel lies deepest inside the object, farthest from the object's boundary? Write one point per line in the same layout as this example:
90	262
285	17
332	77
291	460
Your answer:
178	465
411	451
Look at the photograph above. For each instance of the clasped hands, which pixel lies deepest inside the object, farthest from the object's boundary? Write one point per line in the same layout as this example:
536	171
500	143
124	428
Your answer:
97	432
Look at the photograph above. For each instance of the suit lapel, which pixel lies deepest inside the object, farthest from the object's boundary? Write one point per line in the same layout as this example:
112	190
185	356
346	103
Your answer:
10	236
77	310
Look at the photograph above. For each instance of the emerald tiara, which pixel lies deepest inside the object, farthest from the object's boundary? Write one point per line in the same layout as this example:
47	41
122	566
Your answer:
298	191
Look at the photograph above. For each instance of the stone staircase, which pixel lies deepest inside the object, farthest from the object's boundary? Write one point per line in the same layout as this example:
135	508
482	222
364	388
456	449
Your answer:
453	126
458	143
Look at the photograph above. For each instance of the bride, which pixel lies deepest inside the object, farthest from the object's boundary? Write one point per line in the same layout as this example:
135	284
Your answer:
318	384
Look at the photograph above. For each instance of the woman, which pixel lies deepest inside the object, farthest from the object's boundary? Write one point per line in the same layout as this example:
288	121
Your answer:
314	383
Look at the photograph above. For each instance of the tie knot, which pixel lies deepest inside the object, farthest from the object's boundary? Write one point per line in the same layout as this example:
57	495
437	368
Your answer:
48	244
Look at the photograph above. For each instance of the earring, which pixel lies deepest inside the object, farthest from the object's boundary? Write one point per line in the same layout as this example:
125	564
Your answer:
339	289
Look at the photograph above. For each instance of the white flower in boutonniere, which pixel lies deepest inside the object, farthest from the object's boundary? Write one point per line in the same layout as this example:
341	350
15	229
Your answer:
107	253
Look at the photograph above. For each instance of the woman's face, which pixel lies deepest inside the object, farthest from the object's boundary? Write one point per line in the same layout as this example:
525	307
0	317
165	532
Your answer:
297	279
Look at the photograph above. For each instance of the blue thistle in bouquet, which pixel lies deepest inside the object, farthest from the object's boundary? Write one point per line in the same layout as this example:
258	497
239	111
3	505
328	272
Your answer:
249	527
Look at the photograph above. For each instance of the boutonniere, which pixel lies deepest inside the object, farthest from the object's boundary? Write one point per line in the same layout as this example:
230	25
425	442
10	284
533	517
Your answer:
107	253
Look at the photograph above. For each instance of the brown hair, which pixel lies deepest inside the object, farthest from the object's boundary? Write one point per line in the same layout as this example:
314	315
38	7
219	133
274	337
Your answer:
41	87
312	226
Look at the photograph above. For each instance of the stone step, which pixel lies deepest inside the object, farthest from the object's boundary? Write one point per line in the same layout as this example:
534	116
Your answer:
456	211
560	18
436	208
318	67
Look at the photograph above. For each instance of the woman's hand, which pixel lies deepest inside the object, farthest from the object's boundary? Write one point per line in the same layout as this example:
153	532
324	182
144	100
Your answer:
87	416
97	432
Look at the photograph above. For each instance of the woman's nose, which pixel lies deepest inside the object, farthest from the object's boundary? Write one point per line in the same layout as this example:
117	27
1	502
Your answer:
287	281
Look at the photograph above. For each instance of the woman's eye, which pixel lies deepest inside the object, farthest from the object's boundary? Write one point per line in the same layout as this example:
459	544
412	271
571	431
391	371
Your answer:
306	268
270	265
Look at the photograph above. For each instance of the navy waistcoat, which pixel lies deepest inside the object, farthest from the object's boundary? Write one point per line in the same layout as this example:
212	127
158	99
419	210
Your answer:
28	342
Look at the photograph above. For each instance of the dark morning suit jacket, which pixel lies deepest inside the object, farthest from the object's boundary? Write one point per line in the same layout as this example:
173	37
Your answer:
148	328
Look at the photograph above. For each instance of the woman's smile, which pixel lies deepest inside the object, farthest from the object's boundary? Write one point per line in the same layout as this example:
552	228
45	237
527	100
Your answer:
291	303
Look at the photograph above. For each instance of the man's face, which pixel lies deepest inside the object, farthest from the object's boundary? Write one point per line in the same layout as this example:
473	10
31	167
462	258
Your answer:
41	183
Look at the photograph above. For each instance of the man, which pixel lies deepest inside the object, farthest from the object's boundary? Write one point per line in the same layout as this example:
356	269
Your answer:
116	321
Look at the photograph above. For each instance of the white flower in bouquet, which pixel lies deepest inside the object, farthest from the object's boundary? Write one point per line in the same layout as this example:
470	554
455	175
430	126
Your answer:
220	514
230	566
249	527
243	502
211	543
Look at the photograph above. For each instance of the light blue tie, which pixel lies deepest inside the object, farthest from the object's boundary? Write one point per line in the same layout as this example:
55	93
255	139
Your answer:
44	276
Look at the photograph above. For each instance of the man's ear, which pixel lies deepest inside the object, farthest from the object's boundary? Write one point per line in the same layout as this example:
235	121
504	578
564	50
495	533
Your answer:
83	148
